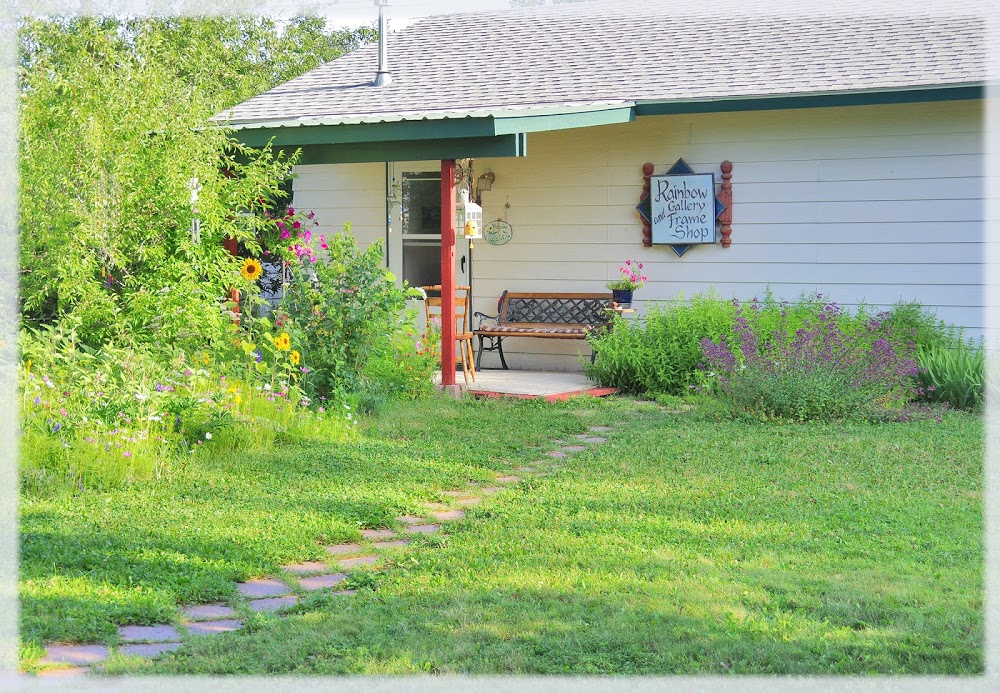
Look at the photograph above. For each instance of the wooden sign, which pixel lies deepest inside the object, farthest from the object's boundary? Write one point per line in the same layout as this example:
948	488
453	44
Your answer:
683	208
680	208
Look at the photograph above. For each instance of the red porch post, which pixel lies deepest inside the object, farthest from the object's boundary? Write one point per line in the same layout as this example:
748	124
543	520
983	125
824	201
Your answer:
447	272
232	246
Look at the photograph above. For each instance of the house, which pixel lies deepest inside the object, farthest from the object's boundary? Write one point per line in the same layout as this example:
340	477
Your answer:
856	146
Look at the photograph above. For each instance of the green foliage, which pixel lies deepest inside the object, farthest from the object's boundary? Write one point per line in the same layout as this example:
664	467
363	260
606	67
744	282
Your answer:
954	375
661	352
813	360
345	304
102	418
112	120
684	544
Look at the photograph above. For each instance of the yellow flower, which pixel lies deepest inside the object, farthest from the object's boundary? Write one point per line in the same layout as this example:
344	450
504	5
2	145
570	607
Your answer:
251	269
294	356
27	366
283	342
237	399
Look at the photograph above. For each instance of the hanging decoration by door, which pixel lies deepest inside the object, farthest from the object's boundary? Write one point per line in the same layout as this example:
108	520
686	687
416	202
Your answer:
681	208
499	231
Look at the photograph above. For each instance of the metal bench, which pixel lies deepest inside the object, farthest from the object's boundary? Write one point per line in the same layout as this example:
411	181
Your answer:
542	315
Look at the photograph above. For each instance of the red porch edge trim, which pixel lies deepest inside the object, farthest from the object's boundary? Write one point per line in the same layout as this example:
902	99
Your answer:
557	397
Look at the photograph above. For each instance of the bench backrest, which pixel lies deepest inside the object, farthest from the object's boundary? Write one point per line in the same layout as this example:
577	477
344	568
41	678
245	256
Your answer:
555	308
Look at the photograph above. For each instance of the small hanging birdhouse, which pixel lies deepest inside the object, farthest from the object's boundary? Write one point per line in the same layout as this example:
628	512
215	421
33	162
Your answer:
469	216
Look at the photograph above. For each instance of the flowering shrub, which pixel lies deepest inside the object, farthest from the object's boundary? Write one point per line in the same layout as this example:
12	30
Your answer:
831	366
632	277
345	304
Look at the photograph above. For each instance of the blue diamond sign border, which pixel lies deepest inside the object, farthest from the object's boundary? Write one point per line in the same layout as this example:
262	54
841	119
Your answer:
645	204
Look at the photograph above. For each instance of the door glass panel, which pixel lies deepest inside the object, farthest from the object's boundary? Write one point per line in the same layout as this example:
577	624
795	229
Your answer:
421	203
421	223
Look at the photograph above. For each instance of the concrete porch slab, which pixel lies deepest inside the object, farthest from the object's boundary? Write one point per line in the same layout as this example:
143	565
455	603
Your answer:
550	385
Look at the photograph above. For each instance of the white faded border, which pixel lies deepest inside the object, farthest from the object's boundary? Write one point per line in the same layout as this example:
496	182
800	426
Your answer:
410	8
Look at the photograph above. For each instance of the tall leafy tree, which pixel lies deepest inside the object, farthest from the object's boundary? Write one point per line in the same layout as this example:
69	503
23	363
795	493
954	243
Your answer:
113	124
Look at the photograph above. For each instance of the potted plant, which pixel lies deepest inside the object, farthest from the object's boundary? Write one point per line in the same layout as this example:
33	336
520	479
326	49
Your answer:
632	278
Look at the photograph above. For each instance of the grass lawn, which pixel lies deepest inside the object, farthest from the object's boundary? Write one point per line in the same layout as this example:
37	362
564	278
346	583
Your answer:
683	545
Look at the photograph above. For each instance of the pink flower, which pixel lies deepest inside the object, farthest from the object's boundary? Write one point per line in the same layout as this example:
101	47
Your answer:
63	412
127	453
296	225
285	235
291	211
311	215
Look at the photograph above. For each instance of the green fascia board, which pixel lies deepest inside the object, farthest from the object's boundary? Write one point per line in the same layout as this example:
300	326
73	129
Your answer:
393	131
564	121
411	150
433	129
869	98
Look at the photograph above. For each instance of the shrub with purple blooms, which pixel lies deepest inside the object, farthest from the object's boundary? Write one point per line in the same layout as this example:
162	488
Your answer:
824	365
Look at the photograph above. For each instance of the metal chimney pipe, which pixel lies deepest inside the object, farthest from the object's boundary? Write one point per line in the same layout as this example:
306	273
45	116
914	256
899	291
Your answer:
382	77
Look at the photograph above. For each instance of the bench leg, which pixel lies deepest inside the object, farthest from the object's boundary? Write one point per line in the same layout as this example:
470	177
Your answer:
593	355
503	361
479	354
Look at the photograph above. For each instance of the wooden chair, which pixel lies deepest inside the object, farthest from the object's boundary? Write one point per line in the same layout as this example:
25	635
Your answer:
463	336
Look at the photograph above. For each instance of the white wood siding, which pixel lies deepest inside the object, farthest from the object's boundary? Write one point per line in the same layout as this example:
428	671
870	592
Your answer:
867	204
343	193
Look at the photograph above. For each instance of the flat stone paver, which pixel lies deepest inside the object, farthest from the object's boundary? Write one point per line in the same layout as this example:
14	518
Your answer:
355	562
307	567
343	593
410	519
556	453
508	479
378	533
489	489
450	515
150	650
207	612
396	544
341	549
63	673
600	429
435	506
469	501
274	604
423	529
454	494
215	627
160	633
74	654
318	582
574	448
595	439
267	587
526	470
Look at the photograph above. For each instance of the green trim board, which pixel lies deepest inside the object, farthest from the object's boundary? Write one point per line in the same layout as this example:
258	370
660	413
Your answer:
521	121
412	150
870	98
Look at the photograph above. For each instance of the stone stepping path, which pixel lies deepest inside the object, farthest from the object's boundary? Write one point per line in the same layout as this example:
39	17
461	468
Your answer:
343	549
149	634
273	595
360	560
257	589
207	612
215	627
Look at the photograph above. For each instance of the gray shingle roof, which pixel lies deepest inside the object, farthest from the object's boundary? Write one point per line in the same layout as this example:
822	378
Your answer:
451	65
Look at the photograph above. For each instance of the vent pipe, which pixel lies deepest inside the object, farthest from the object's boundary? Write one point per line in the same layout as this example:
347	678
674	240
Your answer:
382	77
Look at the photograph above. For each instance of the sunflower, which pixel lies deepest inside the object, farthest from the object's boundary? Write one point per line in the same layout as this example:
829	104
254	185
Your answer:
294	357
251	269
283	342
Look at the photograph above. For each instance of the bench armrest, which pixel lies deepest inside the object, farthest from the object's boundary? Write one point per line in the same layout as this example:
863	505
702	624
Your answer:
486	320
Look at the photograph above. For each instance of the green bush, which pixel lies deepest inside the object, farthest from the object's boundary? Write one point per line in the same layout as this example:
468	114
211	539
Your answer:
954	375
661	352
816	362
346	306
